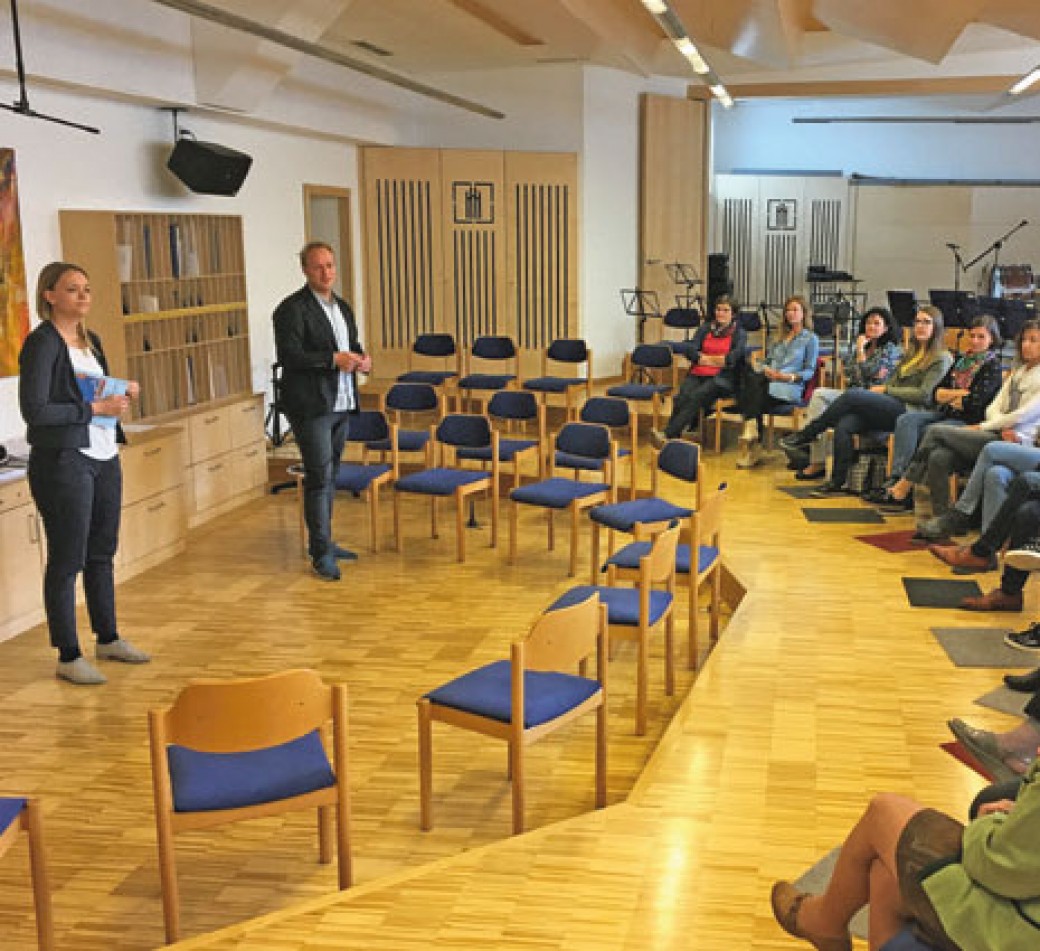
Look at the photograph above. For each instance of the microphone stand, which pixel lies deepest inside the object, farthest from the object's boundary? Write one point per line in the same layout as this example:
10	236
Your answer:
958	265
995	247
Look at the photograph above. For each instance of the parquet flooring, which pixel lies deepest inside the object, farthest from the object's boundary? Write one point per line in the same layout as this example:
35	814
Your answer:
826	686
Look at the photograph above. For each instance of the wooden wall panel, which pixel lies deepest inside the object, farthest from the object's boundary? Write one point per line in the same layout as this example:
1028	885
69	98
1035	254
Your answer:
542	240
403	220
674	162
474	207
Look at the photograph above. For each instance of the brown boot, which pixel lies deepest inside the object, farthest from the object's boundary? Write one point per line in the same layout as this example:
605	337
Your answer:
962	557
995	600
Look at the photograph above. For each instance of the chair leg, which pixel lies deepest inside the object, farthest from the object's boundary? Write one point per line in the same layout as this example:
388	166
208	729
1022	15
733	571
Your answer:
601	756
669	652
397	521
433	517
642	681
324	835
716	602
514	518
425	766
168	879
552	531
693	631
373	518
460	527
40	877
594	574
575	514
516	768
495	504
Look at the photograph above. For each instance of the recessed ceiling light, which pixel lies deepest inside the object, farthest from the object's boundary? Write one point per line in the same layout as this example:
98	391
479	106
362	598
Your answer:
1025	82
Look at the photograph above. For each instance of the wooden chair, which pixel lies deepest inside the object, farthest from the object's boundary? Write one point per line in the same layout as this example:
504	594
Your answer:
412	408
648	369
443	478
635	614
512	412
227	750
569	353
495	354
17	815
703	536
536	681
615	413
796	411
683	320
433	360
576	444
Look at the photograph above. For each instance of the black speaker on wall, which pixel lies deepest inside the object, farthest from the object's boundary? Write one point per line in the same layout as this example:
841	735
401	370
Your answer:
208	168
718	279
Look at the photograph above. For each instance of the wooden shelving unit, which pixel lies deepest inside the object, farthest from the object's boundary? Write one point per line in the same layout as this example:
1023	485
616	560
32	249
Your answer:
169	303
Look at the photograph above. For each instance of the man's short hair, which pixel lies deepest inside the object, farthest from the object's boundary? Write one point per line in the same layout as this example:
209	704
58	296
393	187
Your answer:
310	246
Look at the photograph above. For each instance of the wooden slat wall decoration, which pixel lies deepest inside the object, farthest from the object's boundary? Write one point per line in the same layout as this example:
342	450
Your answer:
471	243
781	273
542	293
737	240
825	231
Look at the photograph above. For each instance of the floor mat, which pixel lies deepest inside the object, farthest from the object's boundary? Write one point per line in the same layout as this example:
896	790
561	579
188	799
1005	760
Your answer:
938	592
894	542
978	647
844	516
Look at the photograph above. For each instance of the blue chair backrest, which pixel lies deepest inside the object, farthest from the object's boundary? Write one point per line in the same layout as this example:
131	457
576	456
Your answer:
367	426
465	431
584	439
906	940
750	320
411	397
682	317
653	356
434	345
513	404
494	348
680	459
608	410
568	351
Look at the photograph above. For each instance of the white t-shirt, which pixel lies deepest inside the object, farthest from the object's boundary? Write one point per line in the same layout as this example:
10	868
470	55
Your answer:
103	443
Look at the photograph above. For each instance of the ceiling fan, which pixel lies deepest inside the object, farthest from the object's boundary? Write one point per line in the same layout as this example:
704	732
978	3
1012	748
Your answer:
21	104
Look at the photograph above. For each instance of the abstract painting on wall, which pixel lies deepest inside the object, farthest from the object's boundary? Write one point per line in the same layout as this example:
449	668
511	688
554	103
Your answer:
14	298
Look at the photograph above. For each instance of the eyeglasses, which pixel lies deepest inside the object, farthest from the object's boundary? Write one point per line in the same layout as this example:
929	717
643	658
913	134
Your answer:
923	320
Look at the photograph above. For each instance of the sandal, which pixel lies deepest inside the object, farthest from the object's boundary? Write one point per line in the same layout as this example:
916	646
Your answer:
786	901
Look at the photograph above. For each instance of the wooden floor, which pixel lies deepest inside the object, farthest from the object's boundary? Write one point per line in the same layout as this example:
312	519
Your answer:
826	687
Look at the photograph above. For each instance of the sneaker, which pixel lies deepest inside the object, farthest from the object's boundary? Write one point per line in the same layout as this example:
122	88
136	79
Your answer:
795	441
1026	557
80	672
657	439
122	650
750	433
952	522
343	554
1027	640
750	455
326	567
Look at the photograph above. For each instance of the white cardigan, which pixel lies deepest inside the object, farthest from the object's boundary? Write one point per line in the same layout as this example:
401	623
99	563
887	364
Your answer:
1025	420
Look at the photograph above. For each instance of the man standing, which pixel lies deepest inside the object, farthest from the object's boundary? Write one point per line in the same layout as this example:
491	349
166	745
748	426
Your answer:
317	344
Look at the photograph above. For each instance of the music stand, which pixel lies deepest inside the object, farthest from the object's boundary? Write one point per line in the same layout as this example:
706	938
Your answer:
686	277
903	305
641	305
1015	314
958	307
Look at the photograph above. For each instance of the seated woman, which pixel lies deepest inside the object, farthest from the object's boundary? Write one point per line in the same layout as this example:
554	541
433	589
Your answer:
871	361
1011	426
716	356
780	379
960	888
878	408
963	397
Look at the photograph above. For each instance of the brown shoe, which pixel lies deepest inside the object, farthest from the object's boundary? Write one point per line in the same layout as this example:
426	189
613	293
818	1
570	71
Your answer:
786	900
961	556
996	600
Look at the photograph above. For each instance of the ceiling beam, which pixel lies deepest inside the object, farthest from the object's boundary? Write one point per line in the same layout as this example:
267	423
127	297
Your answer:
234	22
497	23
933	86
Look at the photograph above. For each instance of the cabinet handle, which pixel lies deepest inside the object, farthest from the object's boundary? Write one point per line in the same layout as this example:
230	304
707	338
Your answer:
156	507
34	528
210	420
249	455
152	452
216	468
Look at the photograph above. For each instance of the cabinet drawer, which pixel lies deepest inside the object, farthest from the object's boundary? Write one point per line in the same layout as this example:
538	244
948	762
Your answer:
210	433
150	469
21	561
214	482
250	467
151	525
13	494
247	422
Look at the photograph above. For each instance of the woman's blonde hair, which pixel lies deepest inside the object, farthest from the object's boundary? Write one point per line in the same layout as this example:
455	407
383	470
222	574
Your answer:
50	274
919	355
806	310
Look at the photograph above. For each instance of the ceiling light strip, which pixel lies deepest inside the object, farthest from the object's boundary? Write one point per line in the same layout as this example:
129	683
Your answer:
1025	82
676	32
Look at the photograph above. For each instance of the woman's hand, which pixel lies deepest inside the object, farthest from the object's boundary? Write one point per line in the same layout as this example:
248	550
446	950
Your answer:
110	406
861	347
878	388
133	389
1009	435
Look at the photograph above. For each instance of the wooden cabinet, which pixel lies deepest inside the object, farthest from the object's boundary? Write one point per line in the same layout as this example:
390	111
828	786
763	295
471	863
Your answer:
169	303
226	457
21	560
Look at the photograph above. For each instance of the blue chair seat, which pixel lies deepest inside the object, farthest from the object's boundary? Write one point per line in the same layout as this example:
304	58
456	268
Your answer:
507	449
622	603
556	493
629	556
486	381
10	809
408	440
204	782
439	481
553	384
487	692
431	377
785	409
354	477
624	516
639	391
906	940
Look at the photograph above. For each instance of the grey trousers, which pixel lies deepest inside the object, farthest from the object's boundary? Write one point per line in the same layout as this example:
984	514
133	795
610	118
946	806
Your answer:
945	450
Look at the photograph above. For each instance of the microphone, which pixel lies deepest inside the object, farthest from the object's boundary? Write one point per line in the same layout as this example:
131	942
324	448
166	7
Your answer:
1023	223
953	247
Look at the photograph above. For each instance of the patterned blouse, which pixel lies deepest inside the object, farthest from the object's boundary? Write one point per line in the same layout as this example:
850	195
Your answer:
876	368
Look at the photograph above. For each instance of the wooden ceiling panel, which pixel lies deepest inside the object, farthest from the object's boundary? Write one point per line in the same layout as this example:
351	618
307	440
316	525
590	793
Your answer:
1018	16
766	31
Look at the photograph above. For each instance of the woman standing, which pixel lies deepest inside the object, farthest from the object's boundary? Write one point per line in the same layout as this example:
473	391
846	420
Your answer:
716	355
74	472
780	380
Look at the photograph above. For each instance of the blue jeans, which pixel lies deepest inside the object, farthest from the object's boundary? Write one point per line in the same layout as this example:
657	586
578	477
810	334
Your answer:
907	435
998	463
321	440
79	500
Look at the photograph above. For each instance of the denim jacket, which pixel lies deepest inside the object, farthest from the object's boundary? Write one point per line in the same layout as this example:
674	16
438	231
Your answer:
797	355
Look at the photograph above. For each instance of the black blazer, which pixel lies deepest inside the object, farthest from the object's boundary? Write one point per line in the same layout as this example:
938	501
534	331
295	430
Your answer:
55	413
306	345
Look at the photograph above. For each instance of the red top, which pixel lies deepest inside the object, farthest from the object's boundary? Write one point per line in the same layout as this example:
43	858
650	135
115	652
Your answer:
712	346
